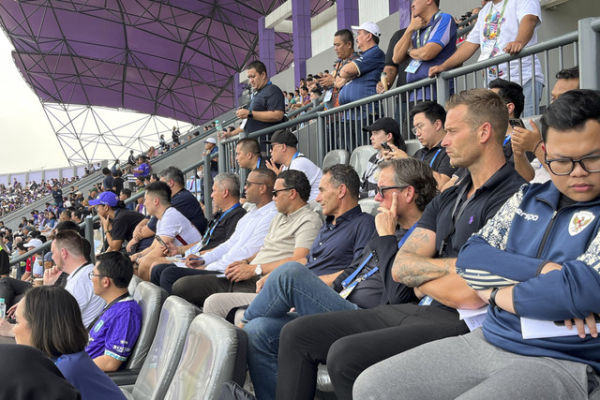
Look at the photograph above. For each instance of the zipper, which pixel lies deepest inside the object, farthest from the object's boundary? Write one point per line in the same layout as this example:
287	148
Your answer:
546	233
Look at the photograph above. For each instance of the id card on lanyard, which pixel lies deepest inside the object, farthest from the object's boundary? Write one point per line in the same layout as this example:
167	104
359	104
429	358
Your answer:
414	65
491	33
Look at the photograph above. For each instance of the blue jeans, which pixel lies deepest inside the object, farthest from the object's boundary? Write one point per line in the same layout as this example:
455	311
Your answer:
532	106
290	285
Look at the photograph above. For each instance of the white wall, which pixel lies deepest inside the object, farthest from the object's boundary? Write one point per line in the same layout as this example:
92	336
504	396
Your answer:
322	37
372	10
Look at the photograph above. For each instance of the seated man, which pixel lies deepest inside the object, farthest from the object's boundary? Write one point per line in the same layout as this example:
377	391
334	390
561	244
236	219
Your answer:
118	223
566	79
536	259
284	151
172	226
246	240
114	332
290	237
405	188
384	132
428	118
247	154
351	341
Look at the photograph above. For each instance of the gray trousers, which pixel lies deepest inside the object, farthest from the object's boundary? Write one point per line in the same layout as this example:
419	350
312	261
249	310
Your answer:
468	367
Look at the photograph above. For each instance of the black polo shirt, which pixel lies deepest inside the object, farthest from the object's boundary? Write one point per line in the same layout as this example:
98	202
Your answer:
223	228
454	218
436	158
269	98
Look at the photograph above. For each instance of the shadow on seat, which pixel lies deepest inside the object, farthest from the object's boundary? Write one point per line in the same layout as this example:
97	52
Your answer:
369	205
214	353
359	158
335	157
160	364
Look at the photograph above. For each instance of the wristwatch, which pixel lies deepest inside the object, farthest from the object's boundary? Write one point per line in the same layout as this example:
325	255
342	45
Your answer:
492	299
258	270
250	114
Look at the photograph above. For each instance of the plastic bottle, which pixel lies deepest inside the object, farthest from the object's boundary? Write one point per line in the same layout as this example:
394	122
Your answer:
218	126
2	308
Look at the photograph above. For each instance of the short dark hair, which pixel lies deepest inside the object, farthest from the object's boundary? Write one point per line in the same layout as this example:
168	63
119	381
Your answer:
375	38
116	266
229	181
297	180
432	110
105	171
341	174
568	73
259	66
70	240
413	172
267	175
126	192
250	145
67	225
55	321
173	173
510	92
571	111
161	190
317	91
346	35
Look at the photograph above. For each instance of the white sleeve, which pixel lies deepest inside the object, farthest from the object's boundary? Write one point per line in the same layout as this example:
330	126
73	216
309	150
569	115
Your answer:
529	7
475	34
223	248
169	225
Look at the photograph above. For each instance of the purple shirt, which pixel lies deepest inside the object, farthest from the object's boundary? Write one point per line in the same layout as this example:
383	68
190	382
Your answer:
116	331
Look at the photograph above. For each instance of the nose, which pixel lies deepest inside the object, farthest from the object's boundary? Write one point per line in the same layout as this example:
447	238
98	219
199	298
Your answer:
378	197
578	170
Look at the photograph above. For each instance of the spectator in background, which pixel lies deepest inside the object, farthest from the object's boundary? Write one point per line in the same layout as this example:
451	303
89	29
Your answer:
143	169
211	149
247	154
429	40
392	72
384	131
566	79
505	27
107	182
118	181
315	94
284	151
125	194
57	195
117	223
131	159
49	319
175	134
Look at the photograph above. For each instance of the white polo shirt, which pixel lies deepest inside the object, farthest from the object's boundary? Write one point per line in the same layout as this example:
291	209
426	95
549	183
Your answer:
81	287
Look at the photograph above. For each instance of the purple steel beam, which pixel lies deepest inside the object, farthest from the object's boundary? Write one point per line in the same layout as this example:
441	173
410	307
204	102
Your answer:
404	8
301	37
266	46
347	13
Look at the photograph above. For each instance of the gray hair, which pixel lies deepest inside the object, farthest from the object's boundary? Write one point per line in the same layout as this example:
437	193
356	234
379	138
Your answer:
229	181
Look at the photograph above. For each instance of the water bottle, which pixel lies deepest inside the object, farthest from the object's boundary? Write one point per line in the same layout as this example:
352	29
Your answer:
218	125
2	308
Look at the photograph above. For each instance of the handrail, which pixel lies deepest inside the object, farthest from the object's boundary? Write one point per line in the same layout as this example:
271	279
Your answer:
467	20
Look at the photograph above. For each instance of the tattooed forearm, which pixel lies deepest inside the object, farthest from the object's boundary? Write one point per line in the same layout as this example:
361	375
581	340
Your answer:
413	270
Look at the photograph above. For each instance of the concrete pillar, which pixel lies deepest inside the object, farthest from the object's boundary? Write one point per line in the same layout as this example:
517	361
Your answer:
301	37
347	13
266	47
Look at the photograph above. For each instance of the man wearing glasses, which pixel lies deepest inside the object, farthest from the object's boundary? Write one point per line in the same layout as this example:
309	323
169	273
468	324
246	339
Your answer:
350	341
536	259
115	331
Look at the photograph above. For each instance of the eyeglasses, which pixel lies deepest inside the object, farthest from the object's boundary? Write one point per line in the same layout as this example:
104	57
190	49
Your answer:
276	192
92	274
417	128
381	190
564	166
250	183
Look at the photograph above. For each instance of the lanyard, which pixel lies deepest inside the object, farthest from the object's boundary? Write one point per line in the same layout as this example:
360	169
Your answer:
506	139
487	34
433	159
109	305
349	279
209	232
258	163
295	156
420	43
77	270
455	216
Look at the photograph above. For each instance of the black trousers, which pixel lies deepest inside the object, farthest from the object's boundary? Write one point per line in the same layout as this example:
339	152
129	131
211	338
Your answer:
198	287
351	341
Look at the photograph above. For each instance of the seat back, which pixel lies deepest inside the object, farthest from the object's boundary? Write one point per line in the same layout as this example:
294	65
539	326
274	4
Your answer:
150	298
335	157
214	353
369	205
359	158
160	364
135	280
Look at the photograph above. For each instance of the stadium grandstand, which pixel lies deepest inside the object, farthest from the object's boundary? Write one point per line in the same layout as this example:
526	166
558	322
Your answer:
311	199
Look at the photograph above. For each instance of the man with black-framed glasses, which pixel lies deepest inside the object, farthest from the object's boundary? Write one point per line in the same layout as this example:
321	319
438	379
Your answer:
351	341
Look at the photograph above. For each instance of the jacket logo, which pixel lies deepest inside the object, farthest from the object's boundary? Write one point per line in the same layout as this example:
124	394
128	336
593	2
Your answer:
579	221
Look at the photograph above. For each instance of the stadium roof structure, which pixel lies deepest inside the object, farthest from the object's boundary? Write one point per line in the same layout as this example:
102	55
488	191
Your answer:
171	58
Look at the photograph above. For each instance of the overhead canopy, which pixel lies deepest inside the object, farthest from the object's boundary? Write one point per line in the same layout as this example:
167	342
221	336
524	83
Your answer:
173	58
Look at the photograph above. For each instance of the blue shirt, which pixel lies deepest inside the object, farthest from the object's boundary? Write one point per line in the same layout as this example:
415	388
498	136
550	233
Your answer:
370	65
116	331
337	245
91	381
185	202
268	98
144	170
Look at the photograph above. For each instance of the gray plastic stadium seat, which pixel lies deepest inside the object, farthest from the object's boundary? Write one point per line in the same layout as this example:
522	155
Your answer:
412	146
536	120
214	353
135	280
150	298
336	157
359	158
323	380
162	360
369	205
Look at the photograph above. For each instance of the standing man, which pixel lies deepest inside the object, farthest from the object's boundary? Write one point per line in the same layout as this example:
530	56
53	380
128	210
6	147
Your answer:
505	26
429	40
114	333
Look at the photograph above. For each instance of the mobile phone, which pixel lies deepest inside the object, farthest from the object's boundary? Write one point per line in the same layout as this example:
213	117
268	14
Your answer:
516	122
386	146
162	242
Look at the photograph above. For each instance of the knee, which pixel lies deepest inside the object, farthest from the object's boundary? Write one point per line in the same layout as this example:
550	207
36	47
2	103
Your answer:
339	356
291	334
156	272
257	334
180	287
289	272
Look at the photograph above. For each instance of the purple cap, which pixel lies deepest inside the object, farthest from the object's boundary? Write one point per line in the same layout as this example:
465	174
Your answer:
105	198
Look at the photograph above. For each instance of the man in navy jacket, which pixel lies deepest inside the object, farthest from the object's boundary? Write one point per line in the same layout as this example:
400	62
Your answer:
538	258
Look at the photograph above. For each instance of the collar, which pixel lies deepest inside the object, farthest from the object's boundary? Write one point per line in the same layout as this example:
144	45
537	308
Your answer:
505	172
362	53
348	215
551	196
299	211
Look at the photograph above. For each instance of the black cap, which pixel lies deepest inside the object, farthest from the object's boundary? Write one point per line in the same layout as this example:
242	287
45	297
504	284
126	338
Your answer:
386	124
283	136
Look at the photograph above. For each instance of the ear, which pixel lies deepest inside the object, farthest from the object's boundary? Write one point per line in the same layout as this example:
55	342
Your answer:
438	125
342	191
409	194
485	132
106	282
